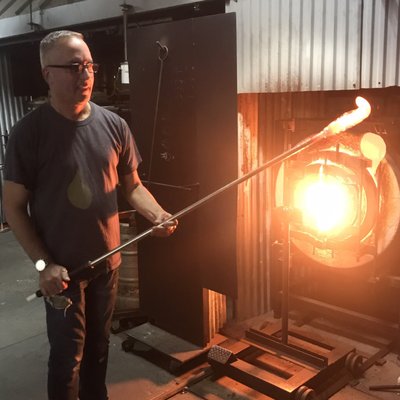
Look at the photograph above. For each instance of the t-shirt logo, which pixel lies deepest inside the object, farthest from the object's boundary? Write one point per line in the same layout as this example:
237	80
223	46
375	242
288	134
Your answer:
79	193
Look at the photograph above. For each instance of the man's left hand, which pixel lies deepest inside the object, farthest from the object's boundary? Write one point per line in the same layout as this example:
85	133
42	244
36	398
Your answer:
164	229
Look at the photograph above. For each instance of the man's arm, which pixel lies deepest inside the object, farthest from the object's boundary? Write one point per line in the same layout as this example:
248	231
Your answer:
15	200
144	203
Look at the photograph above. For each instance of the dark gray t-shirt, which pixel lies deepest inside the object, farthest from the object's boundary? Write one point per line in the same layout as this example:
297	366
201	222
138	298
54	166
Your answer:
71	169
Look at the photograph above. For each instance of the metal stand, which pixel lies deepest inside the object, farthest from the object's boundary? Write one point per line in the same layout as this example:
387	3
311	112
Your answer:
283	363
299	370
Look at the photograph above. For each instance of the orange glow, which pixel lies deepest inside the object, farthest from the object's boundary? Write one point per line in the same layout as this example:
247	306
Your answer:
326	203
351	118
373	147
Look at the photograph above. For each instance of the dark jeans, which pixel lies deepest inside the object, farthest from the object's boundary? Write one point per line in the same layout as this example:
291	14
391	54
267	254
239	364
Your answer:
79	338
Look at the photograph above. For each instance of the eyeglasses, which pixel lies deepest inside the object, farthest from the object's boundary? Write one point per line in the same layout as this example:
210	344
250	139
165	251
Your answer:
78	68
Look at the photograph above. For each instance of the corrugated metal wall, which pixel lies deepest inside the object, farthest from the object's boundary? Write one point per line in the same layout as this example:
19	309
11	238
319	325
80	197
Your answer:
287	46
309	45
11	109
381	45
253	209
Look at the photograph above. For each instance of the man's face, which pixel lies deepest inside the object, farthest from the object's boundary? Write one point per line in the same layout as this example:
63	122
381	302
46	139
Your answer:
65	85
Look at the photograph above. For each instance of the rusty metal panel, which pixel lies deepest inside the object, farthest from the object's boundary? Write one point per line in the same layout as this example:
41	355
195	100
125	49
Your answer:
253	214
217	312
307	45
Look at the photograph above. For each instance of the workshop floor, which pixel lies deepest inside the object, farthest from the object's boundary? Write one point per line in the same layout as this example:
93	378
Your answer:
24	350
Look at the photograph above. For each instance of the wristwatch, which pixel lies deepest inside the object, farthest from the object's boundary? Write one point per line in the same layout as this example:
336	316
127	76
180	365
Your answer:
40	265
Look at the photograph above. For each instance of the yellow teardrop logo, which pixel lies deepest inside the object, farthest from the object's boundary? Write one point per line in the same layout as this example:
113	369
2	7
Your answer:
79	193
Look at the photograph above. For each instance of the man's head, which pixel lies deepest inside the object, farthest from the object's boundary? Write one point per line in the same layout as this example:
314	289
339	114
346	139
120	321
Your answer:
61	53
51	40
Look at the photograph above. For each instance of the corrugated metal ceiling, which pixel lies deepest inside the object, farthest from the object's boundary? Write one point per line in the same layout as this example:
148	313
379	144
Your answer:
12	8
19	17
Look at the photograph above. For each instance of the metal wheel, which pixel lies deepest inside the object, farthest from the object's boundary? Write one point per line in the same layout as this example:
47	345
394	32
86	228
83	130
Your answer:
305	393
115	327
128	345
353	363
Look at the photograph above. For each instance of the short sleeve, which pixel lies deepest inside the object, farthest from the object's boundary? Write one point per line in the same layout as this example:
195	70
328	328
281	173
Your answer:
130	157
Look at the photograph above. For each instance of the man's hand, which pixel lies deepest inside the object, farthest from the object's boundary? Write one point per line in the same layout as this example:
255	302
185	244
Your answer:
53	280
164	229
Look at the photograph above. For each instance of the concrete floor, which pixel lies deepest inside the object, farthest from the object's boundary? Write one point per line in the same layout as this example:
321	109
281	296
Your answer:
24	350
23	341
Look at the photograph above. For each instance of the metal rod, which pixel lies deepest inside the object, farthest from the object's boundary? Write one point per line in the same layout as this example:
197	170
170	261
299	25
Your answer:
6	7
125	9
125	18
285	277
44	4
22	8
344	122
188	188
385	388
299	353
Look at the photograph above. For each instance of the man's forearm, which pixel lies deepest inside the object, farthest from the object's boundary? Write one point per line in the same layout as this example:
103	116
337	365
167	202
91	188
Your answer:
145	204
23	229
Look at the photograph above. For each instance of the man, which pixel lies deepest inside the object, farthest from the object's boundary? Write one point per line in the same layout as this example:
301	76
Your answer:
64	161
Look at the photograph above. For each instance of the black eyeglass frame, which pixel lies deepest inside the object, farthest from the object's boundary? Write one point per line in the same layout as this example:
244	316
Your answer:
78	68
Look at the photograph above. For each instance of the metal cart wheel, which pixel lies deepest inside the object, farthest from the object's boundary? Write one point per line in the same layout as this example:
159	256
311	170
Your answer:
353	363
305	393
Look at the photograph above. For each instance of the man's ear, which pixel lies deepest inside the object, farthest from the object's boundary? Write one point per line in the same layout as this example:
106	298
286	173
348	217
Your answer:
45	74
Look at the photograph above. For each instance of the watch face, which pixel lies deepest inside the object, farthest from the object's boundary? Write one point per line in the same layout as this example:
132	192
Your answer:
40	265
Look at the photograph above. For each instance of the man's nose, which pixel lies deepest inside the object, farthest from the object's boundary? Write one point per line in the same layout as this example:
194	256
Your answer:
85	74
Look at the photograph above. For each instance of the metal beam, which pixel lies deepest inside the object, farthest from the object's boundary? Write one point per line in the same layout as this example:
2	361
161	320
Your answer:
6	7
44	4
22	8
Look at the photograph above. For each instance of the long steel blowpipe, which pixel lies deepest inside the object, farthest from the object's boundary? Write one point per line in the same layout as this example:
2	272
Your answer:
341	124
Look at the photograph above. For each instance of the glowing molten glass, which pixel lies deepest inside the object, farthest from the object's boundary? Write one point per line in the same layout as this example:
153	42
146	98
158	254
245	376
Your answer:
351	118
326	203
